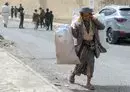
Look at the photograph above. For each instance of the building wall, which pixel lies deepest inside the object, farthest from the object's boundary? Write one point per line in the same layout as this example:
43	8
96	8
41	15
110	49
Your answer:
29	5
62	8
119	2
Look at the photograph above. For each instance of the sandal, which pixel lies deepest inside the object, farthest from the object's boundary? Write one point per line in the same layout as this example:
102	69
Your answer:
90	87
72	79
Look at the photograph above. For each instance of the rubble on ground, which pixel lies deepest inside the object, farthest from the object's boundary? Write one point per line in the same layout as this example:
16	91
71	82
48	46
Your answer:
5	43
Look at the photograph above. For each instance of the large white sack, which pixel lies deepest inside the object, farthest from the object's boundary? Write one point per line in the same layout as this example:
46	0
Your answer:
65	50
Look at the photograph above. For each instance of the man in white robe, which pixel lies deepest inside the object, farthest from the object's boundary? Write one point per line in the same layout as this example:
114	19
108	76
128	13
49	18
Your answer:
5	13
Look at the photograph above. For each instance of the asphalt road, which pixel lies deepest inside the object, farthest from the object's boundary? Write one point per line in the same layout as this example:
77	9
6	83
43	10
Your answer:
37	50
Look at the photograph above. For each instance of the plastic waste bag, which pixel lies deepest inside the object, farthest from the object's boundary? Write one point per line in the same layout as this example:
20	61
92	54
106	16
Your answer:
65	49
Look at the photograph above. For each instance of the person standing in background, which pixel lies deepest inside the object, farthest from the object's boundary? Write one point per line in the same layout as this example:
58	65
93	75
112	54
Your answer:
51	19
36	19
15	11
21	11
21	8
5	14
42	16
12	12
21	19
47	18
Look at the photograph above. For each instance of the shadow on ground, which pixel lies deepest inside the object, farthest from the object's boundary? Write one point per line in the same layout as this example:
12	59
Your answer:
124	42
105	89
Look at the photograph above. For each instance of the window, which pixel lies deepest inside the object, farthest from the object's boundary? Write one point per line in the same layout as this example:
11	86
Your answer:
103	11
107	11
125	11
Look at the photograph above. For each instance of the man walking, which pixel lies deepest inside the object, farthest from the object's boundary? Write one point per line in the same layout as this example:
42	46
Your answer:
21	19
36	19
51	20
42	16
21	11
5	14
12	11
15	11
47	18
20	8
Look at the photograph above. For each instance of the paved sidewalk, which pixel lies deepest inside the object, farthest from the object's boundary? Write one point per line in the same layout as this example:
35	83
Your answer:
18	77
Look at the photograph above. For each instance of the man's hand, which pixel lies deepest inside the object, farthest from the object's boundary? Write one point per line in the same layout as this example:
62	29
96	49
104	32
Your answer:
94	19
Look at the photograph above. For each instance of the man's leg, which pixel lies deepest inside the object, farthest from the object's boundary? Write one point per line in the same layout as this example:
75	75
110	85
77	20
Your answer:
41	22
22	22
11	15
72	78
15	15
6	18
44	22
76	71
90	70
20	25
51	24
37	24
34	26
47	25
4	25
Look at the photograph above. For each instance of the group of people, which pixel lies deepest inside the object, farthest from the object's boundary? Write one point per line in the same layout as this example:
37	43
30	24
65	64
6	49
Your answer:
14	11
44	19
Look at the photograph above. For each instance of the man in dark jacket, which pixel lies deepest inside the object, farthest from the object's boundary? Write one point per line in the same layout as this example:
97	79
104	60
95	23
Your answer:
20	8
36	19
21	19
15	11
51	20
42	16
21	11
47	18
12	11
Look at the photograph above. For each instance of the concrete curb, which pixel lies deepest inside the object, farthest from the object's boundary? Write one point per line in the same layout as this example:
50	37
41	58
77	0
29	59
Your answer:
34	72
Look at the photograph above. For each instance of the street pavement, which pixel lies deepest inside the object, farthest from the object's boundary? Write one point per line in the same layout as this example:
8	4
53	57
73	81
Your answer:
18	77
36	49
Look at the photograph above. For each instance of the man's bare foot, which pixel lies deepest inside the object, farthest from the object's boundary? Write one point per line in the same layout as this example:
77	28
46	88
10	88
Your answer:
90	87
72	79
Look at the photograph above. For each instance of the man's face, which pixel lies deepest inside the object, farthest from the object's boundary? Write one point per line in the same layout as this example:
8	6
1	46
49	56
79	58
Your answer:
87	16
